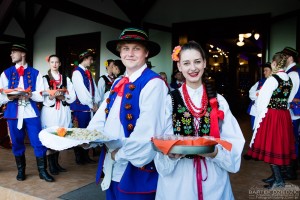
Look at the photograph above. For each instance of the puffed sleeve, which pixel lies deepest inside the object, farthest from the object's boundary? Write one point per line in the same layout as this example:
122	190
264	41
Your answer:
39	87
231	132
70	96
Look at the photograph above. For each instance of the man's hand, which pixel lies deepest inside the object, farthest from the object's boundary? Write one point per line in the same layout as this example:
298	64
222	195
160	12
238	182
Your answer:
12	97
95	107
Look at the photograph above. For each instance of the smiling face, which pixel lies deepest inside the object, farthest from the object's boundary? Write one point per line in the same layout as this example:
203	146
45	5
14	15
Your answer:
133	56
192	66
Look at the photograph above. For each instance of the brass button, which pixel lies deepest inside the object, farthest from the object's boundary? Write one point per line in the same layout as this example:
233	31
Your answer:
128	96
129	116
131	86
130	127
128	106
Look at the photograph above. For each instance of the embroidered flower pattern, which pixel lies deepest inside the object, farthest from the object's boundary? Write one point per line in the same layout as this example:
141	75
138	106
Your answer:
186	114
175	54
187	125
279	99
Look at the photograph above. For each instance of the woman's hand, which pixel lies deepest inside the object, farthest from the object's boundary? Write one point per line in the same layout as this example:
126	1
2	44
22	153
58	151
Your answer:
175	156
59	95
210	155
113	154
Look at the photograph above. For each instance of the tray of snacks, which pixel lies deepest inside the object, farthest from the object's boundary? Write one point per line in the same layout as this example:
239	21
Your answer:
186	145
52	92
58	138
16	91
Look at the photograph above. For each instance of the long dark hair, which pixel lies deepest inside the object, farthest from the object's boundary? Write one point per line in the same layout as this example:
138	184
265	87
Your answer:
49	71
121	67
208	83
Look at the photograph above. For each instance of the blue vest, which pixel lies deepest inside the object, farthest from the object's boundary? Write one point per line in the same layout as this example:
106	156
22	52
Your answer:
295	107
29	78
76	105
134	179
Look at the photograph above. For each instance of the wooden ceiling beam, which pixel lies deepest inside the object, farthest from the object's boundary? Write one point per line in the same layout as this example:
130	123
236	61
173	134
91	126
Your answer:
84	12
135	10
7	9
12	39
40	17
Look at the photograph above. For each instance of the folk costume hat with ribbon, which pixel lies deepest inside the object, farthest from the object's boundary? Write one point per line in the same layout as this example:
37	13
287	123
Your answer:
19	47
86	54
290	52
134	35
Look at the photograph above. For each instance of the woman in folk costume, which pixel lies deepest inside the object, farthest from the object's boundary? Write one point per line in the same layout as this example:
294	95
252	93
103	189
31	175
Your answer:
56	110
271	142
193	110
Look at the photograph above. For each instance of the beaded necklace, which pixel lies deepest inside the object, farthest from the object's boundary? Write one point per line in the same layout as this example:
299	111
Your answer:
194	110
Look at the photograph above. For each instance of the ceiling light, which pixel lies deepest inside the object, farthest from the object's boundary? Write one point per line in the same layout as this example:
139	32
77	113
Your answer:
259	55
247	35
240	43
241	39
211	46
256	36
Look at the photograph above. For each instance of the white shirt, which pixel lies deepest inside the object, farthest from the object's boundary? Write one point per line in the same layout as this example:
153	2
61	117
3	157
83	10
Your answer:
36	96
101	87
253	96
296	81
85	97
137	148
50	115
177	177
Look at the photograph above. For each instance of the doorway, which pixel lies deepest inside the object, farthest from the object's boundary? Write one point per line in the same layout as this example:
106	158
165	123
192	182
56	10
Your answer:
69	47
233	68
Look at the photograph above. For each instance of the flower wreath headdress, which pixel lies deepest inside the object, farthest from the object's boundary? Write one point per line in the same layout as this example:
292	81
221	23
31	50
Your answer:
175	54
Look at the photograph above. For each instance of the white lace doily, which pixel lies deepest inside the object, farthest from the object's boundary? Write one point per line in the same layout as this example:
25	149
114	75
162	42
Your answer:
58	143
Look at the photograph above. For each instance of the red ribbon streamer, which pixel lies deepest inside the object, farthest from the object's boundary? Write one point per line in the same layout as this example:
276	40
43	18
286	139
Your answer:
20	71
215	114
119	88
197	165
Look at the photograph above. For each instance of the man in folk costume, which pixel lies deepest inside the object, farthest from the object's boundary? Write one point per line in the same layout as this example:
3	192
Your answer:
294	73
105	82
87	100
22	113
133	113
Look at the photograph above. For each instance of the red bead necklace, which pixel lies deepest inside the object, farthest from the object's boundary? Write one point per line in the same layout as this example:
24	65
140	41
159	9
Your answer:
194	110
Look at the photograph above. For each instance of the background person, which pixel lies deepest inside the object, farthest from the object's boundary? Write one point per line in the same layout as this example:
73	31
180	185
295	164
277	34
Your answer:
22	113
271	143
87	100
105	82
56	110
